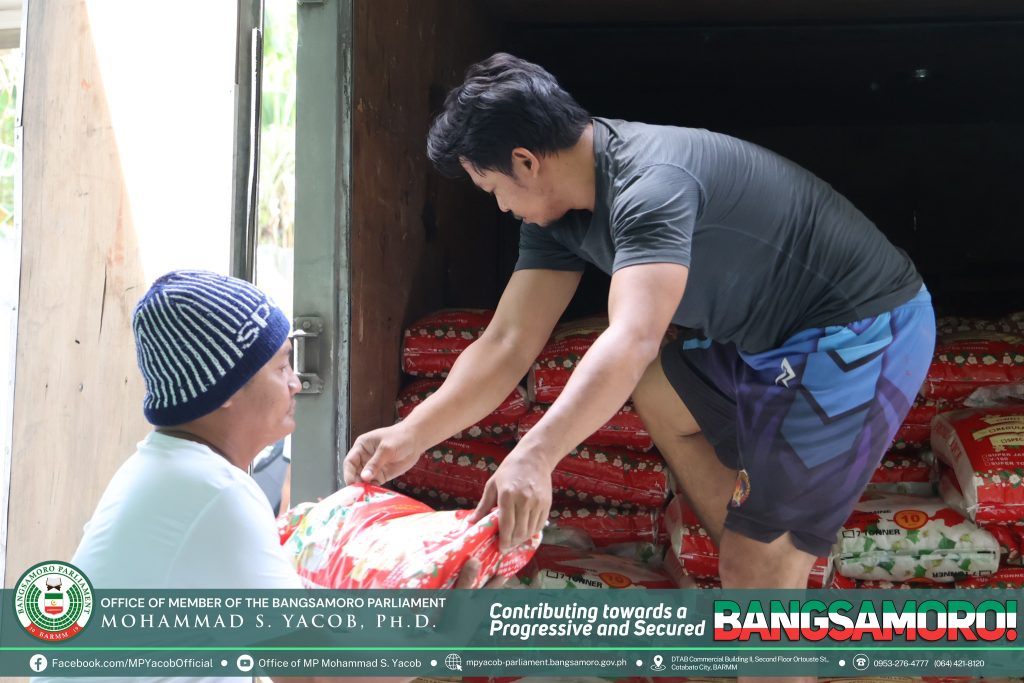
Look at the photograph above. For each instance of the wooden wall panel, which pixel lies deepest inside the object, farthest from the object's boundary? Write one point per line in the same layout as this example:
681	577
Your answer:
76	374
419	241
122	181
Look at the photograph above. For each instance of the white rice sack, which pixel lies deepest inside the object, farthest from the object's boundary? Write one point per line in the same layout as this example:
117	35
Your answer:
902	538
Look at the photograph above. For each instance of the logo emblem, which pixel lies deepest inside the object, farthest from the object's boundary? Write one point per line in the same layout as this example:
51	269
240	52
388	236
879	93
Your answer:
787	373
53	601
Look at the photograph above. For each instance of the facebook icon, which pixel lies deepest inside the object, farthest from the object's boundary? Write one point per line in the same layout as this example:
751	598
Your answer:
38	663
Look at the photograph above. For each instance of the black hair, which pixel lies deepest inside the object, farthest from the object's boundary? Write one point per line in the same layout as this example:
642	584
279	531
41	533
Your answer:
505	102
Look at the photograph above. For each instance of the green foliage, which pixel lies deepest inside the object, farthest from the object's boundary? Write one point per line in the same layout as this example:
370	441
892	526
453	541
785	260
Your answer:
9	65
277	143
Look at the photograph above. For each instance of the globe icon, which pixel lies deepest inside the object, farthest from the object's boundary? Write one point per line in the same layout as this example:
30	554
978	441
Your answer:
453	662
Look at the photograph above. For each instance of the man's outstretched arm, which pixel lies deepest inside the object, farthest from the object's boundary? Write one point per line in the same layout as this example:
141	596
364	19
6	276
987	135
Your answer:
483	376
641	303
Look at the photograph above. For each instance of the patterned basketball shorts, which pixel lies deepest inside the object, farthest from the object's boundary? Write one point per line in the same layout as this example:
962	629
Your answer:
809	421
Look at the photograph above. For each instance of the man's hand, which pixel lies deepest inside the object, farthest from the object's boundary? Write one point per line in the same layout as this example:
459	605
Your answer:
381	455
521	488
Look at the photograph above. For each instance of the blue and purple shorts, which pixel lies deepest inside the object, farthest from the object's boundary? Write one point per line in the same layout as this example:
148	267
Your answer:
810	421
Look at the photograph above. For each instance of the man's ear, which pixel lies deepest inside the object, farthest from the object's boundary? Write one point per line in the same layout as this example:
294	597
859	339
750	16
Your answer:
527	160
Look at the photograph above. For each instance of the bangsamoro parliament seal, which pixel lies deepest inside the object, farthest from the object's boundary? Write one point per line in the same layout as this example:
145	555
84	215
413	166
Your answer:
53	601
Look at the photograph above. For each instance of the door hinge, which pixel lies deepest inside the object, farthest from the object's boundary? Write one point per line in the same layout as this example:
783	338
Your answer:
306	333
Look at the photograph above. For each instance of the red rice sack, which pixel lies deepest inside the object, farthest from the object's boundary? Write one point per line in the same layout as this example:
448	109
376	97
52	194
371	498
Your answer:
1011	543
917	425
604	475
607	526
1010	538
289	520
674	568
909	471
985	448
432	344
899	538
951	324
1006	577
813	580
904	447
697	553
965	361
560	356
690	542
456	472
844	583
554	365
500	426
453	472
555	566
364	536
624	430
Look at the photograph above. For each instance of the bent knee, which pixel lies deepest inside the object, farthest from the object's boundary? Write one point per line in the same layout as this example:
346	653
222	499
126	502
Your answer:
659	405
740	572
745	563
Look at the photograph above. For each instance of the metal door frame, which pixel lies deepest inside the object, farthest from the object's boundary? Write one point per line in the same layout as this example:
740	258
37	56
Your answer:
322	226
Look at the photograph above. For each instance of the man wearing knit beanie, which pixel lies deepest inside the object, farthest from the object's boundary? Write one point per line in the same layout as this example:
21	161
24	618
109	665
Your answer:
215	356
182	511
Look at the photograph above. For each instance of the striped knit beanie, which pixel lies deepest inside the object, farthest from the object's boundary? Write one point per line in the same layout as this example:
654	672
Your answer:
199	337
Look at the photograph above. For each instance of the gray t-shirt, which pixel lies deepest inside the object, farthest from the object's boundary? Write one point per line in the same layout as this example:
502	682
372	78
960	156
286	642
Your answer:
771	248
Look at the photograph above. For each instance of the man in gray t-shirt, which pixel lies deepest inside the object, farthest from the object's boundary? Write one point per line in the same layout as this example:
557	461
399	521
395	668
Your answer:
813	329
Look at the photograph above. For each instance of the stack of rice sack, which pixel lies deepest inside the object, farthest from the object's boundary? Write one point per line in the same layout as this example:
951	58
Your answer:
589	482
452	473
500	426
970	353
608	492
431	345
551	372
692	557
556	566
904	541
907	468
623	443
969	535
983	452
